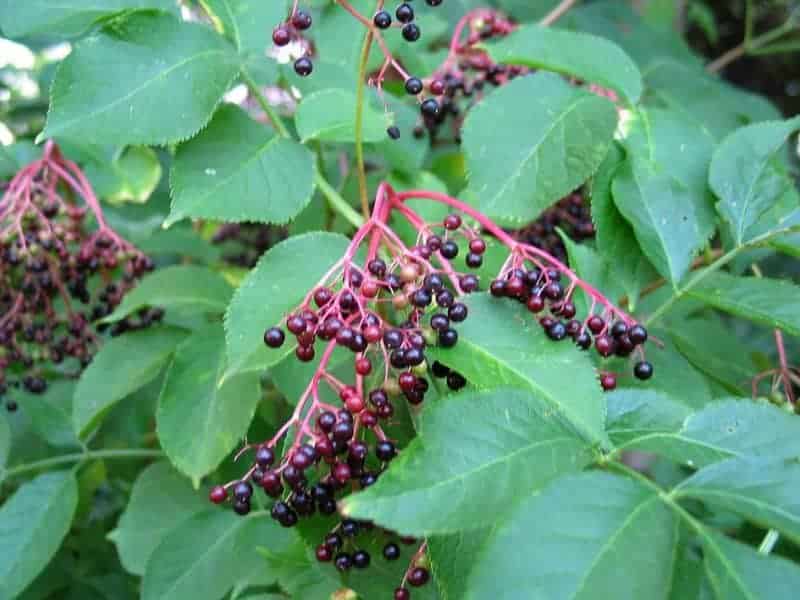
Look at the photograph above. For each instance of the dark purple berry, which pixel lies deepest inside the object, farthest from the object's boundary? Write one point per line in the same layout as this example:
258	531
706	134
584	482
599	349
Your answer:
638	335
413	87
643	370
303	66
301	20
274	337
361	559
382	20
391	551
404	13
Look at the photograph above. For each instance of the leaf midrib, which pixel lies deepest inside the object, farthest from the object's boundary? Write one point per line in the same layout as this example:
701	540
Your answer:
579	99
471	472
607	545
208	550
701	492
585	429
54	501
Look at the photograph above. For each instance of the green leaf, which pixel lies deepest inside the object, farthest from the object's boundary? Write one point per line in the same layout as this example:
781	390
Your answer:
199	419
576	538
161	500
587	57
674	376
181	287
117	174
236	170
38	17
298	572
737	572
5	442
661	190
614	236
771	302
245	23
329	116
33	522
503	345
181	242
762	490
725	429
714	349
114	84
508	442
622	24
222	551
744	176
275	286
532	142
123	365
633	414
713	106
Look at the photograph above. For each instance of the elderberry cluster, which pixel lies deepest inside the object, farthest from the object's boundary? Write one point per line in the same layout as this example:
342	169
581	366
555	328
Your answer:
541	291
465	77
56	277
391	312
572	214
244	243
415	294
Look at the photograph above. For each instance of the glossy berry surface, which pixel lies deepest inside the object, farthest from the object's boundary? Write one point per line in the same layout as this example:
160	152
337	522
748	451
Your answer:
303	66
382	20
411	32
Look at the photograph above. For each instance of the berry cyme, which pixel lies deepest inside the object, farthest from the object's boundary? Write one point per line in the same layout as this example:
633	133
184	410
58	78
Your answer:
62	267
385	302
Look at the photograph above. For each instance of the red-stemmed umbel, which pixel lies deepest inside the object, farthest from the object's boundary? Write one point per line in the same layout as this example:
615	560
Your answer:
386	309
61	267
467	72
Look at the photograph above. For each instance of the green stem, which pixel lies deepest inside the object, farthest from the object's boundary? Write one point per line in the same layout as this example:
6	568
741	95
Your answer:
335	200
78	457
359	124
713	268
273	115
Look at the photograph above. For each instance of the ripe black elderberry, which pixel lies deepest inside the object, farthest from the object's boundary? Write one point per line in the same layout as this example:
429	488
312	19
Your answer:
643	370
303	66
361	559
382	20
413	86
343	561
404	13
418	576
391	551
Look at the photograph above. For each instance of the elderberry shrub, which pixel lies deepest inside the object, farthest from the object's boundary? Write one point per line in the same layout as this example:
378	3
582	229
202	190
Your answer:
572	214
58	275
